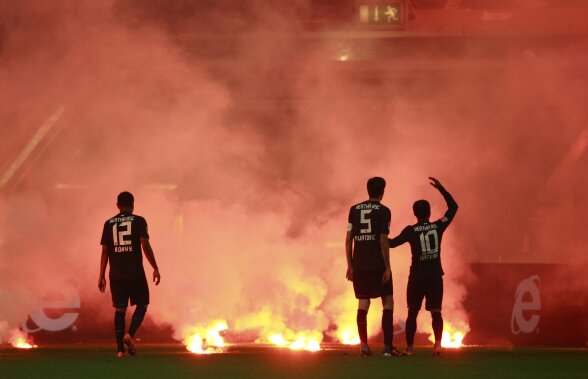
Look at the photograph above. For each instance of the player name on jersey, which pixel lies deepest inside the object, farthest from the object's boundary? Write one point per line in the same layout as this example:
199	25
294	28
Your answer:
420	228
121	219
123	249
429	256
365	237
368	206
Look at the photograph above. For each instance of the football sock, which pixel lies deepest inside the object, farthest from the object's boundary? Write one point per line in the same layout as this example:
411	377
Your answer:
137	319
362	325
411	325
387	326
119	329
437	325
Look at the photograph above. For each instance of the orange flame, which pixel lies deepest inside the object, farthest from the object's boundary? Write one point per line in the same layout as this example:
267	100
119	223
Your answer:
452	340
345	307
348	337
21	340
304	332
309	344
206	340
300	341
22	344
452	336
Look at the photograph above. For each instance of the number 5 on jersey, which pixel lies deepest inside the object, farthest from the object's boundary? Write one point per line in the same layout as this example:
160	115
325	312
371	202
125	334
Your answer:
367	221
118	236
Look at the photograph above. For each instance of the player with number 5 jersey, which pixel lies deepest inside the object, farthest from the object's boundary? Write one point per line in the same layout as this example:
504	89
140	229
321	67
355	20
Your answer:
124	239
368	262
425	280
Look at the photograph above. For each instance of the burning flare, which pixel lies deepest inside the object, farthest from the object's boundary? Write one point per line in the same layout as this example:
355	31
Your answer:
21	340
452	340
206	340
303	343
299	341
452	336
348	337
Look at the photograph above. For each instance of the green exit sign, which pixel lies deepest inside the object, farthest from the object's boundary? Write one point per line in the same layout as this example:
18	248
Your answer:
389	13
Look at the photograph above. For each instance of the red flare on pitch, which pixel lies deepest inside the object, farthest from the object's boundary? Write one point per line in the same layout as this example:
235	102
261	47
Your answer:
21	340
206	340
452	336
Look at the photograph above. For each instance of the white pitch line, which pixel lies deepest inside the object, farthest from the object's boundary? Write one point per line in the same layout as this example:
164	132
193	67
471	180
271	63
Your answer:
30	146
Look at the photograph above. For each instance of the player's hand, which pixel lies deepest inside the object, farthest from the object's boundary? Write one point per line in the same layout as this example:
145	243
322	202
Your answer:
435	183
156	277
387	275
349	274
102	284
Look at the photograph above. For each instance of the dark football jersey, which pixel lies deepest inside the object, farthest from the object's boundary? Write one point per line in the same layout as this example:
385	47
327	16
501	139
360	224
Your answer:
425	241
367	221
122	236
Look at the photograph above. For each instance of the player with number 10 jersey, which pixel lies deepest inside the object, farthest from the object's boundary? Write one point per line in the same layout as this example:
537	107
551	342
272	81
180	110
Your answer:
425	280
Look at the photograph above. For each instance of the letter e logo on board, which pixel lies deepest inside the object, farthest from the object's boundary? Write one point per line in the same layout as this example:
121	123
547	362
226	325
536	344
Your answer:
527	305
69	304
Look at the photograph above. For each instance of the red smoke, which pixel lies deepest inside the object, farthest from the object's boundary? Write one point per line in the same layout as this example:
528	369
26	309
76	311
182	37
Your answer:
244	151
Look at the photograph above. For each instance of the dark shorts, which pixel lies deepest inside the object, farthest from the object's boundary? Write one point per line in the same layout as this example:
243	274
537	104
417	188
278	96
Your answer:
430	289
123	290
367	284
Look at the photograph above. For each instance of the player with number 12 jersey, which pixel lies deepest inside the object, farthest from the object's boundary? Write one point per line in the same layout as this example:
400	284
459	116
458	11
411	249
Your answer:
124	240
122	236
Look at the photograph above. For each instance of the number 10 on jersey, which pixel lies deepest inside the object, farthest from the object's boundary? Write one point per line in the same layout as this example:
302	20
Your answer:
430	242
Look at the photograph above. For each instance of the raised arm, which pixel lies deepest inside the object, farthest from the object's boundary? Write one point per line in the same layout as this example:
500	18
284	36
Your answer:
451	203
151	258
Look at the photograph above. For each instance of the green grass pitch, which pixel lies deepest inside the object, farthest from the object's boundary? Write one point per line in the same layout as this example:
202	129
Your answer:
172	362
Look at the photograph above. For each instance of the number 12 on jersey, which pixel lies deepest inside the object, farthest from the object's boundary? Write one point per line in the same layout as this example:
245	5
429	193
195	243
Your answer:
118	236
